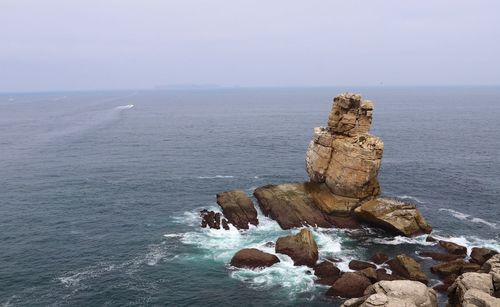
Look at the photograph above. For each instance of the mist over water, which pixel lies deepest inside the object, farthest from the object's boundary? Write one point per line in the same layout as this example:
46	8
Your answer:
100	191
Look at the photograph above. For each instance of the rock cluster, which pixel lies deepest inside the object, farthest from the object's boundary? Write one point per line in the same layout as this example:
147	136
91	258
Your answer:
343	161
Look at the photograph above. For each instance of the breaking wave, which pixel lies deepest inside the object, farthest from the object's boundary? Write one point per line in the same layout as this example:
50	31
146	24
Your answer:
467	217
215	177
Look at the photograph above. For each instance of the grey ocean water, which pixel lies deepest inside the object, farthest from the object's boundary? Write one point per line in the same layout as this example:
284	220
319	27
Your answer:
99	191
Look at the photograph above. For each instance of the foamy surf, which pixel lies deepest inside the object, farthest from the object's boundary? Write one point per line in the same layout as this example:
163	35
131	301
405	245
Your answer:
467	217
125	107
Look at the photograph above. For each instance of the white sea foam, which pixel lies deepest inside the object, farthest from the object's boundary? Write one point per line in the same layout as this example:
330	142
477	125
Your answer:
418	240
125	107
467	217
470	242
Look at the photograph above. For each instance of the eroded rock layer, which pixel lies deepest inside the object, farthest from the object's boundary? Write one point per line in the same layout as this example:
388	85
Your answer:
344	155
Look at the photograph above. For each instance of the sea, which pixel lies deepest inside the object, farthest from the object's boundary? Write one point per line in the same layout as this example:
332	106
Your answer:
100	192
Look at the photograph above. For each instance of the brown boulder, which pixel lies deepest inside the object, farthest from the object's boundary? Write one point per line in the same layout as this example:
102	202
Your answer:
369	273
300	247
253	258
481	255
448	268
379	258
453	248
360	265
349	285
466	282
383	275
327	273
408	268
440	256
393	215
238	208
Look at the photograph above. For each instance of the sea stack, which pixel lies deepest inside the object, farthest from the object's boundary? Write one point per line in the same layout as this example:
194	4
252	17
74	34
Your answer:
344	155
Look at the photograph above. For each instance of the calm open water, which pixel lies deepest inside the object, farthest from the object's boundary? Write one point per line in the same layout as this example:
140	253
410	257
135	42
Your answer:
99	191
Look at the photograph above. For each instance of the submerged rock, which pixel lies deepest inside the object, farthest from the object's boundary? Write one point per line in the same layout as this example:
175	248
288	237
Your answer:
400	293
408	268
253	258
300	247
344	155
349	285
238	208
393	215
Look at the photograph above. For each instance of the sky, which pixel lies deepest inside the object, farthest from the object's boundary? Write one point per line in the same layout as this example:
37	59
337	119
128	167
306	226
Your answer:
138	44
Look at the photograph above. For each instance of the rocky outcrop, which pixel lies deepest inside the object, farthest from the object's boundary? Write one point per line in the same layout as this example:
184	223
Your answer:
408	268
393	215
238	208
475	289
440	256
253	258
300	247
492	266
480	255
399	293
453	248
360	265
344	155
457	267
308	203
212	219
349	285
327	273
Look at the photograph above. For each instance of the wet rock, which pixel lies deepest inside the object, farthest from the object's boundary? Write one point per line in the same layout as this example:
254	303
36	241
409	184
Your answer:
399	293
370	273
440	256
349	285
481	255
379	258
448	268
360	265
408	268
291	205
346	222
344	155
430	239
393	215
453	248
253	258
210	219
383	275
445	283
225	224
238	208
327	273
300	247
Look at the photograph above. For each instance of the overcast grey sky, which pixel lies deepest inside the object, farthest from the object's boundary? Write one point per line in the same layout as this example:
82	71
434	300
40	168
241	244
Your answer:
124	44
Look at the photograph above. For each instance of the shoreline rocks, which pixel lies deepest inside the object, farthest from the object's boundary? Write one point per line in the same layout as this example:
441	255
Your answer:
349	285
393	215
300	247
253	258
238	208
408	268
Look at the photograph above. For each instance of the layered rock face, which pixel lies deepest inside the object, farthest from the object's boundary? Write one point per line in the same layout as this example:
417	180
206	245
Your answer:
344	155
